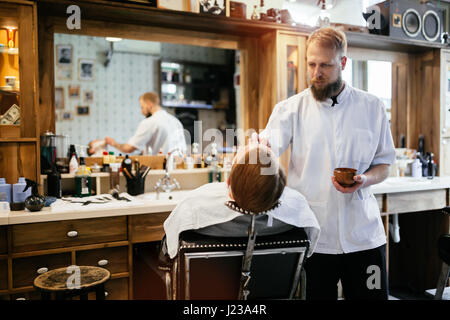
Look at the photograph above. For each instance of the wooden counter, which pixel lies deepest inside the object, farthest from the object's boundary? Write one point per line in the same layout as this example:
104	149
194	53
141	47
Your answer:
31	242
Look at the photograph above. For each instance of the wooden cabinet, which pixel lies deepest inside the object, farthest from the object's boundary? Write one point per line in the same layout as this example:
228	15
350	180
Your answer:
19	150
445	157
114	259
291	64
47	235
3	274
147	227
444	160
3	243
24	270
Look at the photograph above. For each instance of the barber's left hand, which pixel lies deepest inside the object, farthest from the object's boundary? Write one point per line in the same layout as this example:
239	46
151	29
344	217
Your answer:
360	179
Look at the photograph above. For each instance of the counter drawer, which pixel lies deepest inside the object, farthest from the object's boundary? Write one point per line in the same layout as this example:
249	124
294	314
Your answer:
147	227
3	274
24	270
117	289
3	243
114	259
47	235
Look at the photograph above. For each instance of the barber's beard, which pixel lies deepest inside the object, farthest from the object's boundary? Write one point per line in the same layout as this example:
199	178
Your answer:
330	90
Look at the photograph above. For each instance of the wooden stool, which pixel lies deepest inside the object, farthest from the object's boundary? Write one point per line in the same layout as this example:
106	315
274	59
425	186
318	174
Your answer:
72	281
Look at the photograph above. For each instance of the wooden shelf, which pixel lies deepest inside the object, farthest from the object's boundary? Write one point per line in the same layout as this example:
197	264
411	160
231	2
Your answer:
13	51
117	12
6	90
18	140
380	42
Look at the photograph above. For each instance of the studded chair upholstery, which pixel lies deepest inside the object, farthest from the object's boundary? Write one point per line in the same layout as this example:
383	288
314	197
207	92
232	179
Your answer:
210	267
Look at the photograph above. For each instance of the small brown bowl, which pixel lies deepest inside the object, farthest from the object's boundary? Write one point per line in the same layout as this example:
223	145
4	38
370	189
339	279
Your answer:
344	176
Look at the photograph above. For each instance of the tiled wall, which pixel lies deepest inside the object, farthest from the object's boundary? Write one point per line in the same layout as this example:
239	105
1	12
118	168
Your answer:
115	109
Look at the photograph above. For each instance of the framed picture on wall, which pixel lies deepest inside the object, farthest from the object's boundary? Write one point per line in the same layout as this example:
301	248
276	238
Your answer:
83	110
64	74
59	98
64	55
214	7
86	69
74	91
89	96
66	115
179	5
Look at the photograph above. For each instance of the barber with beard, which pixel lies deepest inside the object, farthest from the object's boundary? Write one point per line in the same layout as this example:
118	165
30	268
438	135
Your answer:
159	131
333	125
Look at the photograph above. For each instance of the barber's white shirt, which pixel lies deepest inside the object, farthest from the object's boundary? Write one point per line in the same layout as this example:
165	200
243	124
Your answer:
355	133
160	131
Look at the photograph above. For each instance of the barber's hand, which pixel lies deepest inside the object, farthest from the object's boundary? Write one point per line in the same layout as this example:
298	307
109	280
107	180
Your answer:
256	139
360	179
110	141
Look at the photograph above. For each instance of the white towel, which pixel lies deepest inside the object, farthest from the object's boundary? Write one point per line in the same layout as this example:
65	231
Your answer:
205	206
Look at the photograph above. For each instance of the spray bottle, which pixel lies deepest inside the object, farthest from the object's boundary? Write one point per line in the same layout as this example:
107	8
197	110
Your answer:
35	202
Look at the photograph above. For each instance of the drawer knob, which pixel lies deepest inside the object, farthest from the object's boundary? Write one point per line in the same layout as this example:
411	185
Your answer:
103	262
42	270
106	294
72	234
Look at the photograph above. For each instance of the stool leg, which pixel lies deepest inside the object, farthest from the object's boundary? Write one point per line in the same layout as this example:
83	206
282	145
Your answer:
100	292
45	295
442	281
59	296
84	296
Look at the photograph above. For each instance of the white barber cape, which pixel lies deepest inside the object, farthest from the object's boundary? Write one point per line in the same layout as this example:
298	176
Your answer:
354	133
205	206
160	131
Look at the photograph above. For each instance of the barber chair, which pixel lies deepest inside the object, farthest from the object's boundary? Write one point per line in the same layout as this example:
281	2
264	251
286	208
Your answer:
218	268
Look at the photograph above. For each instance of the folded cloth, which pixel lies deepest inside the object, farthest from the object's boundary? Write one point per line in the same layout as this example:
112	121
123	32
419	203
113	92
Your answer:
205	206
98	202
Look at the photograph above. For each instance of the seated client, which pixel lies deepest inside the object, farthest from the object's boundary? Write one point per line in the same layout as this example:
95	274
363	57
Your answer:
256	185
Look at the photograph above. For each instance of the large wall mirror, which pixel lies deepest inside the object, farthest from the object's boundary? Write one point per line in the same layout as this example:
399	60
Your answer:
98	82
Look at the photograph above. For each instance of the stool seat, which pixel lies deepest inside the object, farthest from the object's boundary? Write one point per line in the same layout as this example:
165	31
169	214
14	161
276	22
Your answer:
444	248
56	281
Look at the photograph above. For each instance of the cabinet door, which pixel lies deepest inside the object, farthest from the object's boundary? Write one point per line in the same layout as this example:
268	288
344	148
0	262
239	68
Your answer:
18	76
291	64
25	270
445	93
114	259
3	274
444	169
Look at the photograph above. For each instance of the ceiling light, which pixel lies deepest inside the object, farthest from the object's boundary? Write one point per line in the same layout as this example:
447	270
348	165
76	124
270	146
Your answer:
112	39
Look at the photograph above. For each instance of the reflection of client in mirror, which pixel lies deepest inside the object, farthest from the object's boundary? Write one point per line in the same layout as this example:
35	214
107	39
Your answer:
158	131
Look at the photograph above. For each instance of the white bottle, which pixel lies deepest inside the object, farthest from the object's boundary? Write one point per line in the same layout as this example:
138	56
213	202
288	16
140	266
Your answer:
417	168
73	164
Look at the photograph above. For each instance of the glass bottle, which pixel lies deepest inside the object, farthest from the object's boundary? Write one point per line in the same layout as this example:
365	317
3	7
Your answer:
255	13
262	10
83	180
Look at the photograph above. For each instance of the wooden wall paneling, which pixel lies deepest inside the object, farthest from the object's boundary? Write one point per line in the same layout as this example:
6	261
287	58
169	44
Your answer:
18	160
27	56
426	98
268	78
46	75
249	82
399	107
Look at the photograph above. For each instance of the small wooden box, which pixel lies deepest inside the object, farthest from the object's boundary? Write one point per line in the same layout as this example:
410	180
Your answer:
238	10
9	131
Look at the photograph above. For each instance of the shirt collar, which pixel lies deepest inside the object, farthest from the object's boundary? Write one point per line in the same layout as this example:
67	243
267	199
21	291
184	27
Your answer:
339	99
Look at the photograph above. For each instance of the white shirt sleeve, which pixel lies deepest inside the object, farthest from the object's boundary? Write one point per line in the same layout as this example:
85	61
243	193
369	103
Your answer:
141	136
385	153
279	128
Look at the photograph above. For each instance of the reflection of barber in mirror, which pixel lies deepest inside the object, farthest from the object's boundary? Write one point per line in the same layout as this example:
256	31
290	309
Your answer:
158	131
333	125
